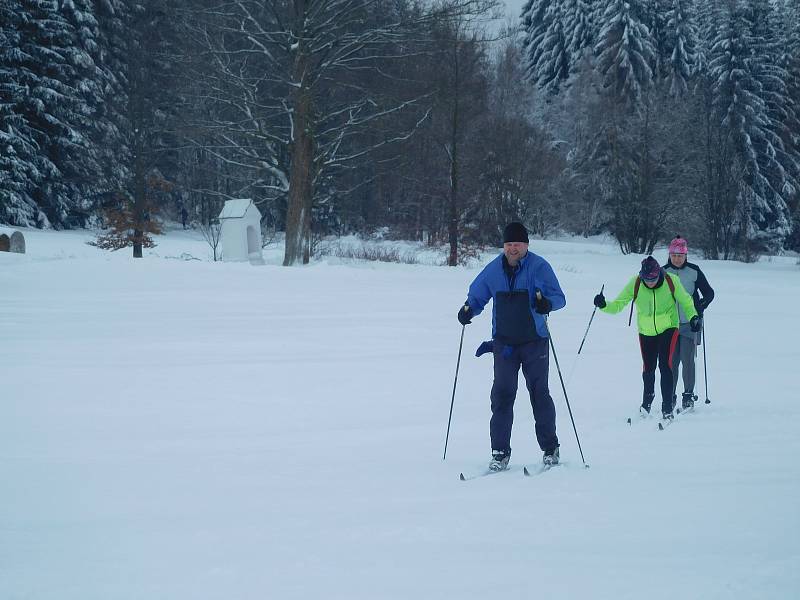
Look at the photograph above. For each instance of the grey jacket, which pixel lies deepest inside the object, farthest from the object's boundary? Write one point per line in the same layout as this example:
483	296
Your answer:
696	284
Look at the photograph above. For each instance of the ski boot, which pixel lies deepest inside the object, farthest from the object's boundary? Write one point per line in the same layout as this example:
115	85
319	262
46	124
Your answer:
687	401
647	402
499	460
550	457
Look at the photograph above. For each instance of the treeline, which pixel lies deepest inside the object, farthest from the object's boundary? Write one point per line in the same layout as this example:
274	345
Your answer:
643	118
683	116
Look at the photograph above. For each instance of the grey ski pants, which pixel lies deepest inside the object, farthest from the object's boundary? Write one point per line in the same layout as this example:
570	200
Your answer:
684	358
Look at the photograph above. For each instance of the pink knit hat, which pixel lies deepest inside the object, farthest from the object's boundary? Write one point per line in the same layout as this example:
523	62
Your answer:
678	246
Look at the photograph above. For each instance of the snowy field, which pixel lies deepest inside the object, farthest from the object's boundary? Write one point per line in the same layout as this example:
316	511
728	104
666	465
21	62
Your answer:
187	430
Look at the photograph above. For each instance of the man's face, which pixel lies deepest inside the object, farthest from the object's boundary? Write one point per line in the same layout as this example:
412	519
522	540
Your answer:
677	259
650	283
514	250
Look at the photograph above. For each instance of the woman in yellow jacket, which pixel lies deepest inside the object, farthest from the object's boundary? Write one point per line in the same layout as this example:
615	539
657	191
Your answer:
657	318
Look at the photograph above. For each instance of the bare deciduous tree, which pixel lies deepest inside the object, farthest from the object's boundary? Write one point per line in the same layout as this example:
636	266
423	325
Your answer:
212	232
307	80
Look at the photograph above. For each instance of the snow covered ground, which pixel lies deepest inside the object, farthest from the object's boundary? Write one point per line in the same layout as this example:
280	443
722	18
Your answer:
183	429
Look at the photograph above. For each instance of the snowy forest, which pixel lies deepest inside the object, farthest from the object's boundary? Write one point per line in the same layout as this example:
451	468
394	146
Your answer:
419	120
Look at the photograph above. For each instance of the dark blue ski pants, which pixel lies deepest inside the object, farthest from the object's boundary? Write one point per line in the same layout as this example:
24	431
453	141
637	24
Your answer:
534	358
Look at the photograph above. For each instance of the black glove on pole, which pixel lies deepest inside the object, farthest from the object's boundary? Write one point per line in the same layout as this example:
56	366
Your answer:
602	287
543	305
465	315
563	387
453	399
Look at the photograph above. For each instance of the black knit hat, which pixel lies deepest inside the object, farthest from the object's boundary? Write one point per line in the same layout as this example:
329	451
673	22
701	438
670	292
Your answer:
515	232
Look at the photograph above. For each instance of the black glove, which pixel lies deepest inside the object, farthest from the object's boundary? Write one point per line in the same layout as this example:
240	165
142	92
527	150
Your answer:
695	323
465	315
700	306
543	305
600	301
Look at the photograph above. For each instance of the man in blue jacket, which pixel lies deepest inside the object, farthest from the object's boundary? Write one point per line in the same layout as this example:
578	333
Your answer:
519	335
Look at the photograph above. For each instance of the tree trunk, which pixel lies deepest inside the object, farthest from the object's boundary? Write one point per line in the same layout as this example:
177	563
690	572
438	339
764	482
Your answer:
452	260
139	205
301	175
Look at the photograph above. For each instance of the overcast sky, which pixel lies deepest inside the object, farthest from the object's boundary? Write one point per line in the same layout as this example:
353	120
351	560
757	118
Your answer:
513	10
514	7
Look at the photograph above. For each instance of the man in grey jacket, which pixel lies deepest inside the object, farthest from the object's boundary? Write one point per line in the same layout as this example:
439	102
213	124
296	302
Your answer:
697	286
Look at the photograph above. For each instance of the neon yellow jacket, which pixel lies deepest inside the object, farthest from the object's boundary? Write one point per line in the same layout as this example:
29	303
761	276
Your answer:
656	310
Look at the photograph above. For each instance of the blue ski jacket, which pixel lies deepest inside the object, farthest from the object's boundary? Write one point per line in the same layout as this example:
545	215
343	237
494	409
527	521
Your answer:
531	274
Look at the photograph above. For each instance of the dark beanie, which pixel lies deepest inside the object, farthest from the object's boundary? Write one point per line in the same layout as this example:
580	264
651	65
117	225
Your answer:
515	232
650	270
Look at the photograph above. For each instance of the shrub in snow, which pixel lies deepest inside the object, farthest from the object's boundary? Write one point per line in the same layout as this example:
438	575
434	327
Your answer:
371	252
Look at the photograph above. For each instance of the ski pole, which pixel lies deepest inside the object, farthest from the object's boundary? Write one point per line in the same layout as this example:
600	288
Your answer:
590	322
453	399
563	387
705	366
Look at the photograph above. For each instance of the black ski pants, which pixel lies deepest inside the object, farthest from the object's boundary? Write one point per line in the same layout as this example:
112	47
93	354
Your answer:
534	358
658	350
